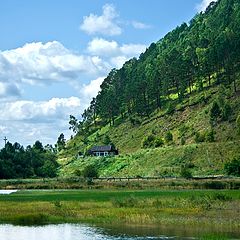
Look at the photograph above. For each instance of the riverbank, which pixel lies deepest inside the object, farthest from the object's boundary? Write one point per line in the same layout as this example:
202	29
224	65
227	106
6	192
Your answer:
210	210
215	182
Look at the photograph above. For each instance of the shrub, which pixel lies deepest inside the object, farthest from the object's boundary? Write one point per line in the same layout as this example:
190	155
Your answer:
199	137
151	141
148	141
226	111
171	108
183	141
215	111
158	142
210	136
186	173
90	172
168	137
233	167
134	120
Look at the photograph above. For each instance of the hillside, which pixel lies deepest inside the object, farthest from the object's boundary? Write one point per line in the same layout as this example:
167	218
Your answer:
176	106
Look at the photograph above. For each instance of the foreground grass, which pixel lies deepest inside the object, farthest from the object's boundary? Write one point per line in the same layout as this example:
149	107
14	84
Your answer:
209	209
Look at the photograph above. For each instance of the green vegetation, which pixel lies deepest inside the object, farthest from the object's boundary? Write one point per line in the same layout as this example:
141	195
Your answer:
177	105
34	161
233	167
203	159
205	209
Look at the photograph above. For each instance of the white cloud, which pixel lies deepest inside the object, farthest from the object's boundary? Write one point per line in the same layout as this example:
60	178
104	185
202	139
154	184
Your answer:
41	64
38	63
104	48
28	121
118	61
105	24
91	90
140	25
201	7
132	49
41	111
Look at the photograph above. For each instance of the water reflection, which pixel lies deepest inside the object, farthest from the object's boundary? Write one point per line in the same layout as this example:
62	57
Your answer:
65	232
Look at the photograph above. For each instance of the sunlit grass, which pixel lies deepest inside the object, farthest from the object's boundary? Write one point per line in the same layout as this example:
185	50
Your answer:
206	208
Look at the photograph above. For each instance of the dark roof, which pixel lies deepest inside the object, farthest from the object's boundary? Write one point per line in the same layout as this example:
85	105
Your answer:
106	148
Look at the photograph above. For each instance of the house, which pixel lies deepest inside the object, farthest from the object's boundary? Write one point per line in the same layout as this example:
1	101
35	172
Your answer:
103	151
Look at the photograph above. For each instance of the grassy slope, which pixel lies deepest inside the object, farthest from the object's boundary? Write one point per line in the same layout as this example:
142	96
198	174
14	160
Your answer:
190	116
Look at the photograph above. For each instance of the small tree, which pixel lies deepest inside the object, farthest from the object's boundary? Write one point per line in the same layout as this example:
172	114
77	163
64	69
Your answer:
168	137
185	173
233	167
210	136
90	172
61	142
215	111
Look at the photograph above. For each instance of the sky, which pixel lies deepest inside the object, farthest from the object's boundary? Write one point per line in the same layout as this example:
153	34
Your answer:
55	54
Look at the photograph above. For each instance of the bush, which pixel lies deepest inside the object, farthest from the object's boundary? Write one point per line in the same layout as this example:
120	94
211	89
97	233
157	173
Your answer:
158	142
171	108
90	172
210	136
135	120
168	137
199	137
152	141
233	167
215	111
226	111
186	173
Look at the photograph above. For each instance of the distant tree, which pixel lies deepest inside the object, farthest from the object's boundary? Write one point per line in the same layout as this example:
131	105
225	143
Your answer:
73	122
61	142
233	167
90	172
215	112
38	146
185	172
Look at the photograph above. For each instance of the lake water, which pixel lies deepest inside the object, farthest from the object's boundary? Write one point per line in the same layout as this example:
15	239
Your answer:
7	191
73	232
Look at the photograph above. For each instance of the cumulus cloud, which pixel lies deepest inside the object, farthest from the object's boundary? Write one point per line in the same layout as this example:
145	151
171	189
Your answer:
90	90
140	25
39	63
201	7
27	121
105	24
41	111
102	47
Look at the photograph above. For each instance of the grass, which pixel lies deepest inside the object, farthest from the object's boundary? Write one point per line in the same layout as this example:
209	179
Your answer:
191	117
195	208
205	158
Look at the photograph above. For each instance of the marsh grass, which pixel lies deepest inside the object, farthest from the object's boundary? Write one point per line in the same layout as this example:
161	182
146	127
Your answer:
195	209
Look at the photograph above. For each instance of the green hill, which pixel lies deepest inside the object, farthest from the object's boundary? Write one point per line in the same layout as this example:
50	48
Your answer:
175	107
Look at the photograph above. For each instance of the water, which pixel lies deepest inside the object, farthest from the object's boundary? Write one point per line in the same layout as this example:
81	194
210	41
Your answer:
7	191
69	232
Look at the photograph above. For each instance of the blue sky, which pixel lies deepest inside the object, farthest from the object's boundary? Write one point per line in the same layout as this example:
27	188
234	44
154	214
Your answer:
55	54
